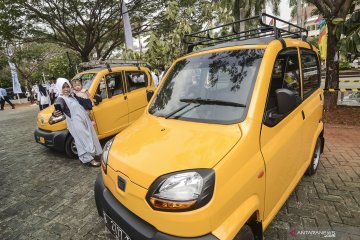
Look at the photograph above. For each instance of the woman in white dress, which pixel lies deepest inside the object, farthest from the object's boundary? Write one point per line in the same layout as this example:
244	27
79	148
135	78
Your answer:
79	124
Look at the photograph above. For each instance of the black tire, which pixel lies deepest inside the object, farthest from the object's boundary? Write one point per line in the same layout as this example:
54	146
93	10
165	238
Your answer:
245	233
315	158
70	147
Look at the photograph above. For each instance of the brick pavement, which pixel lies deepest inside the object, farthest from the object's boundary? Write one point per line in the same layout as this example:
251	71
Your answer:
44	195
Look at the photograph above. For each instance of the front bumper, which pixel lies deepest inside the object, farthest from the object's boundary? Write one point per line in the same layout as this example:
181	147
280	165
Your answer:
54	140
134	226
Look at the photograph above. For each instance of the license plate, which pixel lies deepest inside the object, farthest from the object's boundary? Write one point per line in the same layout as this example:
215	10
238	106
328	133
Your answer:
115	229
42	140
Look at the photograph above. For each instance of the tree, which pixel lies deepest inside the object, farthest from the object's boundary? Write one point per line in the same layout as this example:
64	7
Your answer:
333	11
33	59
5	76
87	27
351	30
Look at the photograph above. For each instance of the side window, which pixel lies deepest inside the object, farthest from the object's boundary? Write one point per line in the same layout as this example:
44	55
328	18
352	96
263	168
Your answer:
285	74
114	84
102	88
136	80
310	71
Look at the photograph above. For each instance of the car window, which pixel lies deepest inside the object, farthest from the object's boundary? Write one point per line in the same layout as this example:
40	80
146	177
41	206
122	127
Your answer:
310	71
136	80
101	90
286	74
114	84
86	79
211	88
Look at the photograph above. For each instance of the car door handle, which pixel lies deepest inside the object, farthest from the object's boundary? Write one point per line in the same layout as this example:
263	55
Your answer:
125	97
303	114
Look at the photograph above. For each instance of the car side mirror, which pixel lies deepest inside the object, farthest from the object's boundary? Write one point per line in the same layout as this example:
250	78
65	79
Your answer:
149	94
97	99
285	100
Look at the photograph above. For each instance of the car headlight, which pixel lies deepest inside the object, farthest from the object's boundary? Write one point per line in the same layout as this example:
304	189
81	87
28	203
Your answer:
53	119
105	155
182	191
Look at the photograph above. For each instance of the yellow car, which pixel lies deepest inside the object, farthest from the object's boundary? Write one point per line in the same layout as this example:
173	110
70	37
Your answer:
120	96
224	141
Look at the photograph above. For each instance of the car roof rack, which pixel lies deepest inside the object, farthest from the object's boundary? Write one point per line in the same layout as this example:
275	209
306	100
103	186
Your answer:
112	63
262	30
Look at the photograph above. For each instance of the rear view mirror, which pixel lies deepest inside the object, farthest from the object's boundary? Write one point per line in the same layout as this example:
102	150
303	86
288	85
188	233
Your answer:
285	100
149	94
97	99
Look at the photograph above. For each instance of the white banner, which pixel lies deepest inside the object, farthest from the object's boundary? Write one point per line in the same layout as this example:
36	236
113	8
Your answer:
15	79
127	27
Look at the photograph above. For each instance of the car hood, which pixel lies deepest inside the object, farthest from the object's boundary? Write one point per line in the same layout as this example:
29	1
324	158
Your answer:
154	146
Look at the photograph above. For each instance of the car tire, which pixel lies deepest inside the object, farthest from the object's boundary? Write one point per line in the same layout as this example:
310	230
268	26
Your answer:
70	147
315	158
245	233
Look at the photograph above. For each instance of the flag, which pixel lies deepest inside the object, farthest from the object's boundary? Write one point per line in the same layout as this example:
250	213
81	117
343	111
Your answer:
322	38
318	19
127	27
15	79
14	76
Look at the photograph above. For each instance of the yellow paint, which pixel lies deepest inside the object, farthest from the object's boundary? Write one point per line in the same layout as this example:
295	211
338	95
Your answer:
238	153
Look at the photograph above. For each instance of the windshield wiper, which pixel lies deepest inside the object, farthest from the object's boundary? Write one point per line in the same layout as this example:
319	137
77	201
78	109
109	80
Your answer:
177	110
211	102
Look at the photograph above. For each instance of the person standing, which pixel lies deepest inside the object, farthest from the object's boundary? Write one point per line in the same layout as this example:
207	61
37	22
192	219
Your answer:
43	97
78	123
153	76
3	98
52	90
162	72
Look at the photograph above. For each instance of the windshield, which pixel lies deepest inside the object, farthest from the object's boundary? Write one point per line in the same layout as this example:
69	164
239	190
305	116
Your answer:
213	88
86	79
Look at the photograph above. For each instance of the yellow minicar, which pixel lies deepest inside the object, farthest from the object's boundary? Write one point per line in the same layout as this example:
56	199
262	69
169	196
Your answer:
224	141
120	97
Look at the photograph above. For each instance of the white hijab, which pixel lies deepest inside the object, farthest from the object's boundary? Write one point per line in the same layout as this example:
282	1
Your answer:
59	84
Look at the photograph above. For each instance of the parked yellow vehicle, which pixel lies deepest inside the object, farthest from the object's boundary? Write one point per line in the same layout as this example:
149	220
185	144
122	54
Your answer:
224	141
120	97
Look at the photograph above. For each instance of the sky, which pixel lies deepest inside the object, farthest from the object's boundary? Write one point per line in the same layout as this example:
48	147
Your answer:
284	10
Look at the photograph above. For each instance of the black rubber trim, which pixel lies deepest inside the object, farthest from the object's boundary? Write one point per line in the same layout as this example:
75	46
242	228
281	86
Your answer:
310	45
134	226
54	139
283	43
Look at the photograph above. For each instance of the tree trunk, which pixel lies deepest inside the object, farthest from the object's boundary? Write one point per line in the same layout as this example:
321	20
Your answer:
332	68
236	13
85	57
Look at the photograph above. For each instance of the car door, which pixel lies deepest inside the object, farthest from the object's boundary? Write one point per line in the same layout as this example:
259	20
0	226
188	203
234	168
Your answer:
137	83
281	138
111	114
313	99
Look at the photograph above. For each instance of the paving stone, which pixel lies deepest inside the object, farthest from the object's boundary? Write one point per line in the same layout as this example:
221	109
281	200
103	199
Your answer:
45	195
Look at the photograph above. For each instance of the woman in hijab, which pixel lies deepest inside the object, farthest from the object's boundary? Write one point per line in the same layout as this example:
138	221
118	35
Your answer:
43	97
78	123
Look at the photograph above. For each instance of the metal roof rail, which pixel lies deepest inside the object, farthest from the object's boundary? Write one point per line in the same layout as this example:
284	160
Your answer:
262	30
112	63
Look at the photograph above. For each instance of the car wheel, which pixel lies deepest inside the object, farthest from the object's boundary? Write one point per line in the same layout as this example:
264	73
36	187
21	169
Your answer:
315	158
245	233
70	147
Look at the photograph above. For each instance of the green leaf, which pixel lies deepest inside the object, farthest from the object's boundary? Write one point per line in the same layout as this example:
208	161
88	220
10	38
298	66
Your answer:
337	21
